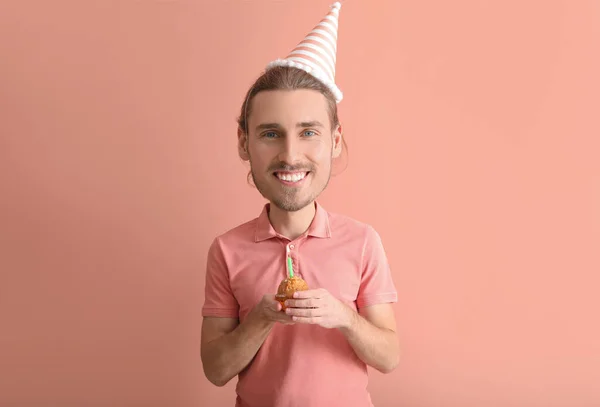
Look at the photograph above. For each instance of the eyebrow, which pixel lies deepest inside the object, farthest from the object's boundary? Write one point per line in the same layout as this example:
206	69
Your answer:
265	126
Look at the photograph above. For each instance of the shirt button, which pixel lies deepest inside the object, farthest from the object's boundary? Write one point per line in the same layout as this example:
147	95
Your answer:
291	246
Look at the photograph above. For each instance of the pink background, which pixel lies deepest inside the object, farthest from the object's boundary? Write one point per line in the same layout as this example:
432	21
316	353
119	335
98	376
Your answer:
474	142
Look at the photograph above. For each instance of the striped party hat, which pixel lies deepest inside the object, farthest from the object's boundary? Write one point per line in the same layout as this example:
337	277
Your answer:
316	54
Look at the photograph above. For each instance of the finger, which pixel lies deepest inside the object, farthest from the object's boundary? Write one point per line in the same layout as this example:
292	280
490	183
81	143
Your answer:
269	297
304	312
275	315
279	316
317	293
271	303
304	303
274	307
286	321
307	320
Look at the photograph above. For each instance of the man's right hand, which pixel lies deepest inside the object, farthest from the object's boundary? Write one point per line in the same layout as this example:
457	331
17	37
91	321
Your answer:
269	309
228	346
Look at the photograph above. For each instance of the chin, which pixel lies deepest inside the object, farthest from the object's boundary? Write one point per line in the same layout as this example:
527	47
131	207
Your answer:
291	206
291	201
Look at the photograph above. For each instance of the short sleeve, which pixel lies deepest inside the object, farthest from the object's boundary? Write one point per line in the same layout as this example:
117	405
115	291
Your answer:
219	300
377	285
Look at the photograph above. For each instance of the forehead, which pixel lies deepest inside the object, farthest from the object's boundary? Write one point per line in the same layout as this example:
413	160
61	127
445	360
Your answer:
288	107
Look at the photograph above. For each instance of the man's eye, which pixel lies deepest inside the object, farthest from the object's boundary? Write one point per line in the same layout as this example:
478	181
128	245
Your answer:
270	134
309	133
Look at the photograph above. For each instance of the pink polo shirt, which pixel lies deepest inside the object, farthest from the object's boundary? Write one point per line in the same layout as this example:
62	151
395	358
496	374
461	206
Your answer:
299	365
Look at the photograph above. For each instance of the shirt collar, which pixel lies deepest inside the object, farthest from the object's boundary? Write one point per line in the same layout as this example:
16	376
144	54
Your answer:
319	226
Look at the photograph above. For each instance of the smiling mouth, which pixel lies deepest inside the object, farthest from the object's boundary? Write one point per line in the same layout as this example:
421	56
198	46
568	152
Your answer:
291	177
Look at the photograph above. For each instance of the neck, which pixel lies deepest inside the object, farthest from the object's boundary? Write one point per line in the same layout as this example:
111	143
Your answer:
291	224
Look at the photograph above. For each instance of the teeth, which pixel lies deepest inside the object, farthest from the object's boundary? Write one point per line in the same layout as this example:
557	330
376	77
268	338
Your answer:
295	177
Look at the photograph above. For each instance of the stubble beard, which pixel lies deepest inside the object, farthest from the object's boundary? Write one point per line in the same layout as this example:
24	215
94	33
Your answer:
287	200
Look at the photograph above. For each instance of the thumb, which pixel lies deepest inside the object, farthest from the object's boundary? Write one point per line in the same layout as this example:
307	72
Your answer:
272	303
276	306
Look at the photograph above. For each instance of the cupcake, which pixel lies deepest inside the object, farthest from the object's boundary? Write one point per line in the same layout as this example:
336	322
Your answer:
288	287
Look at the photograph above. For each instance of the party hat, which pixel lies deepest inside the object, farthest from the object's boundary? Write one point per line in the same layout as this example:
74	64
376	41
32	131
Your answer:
316	54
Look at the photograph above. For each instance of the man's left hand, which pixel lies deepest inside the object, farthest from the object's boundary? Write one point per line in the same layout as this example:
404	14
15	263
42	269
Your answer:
319	307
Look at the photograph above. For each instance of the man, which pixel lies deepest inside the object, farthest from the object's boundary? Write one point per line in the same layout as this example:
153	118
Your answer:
316	352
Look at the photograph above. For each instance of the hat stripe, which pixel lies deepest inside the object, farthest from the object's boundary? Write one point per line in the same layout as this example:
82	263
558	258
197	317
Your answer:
329	28
332	19
323	42
309	53
326	36
320	50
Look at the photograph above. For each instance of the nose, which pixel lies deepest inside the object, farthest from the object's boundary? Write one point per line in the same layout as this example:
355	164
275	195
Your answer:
290	151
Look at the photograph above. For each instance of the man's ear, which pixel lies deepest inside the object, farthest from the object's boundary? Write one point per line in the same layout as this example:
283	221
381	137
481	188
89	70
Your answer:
337	141
243	145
